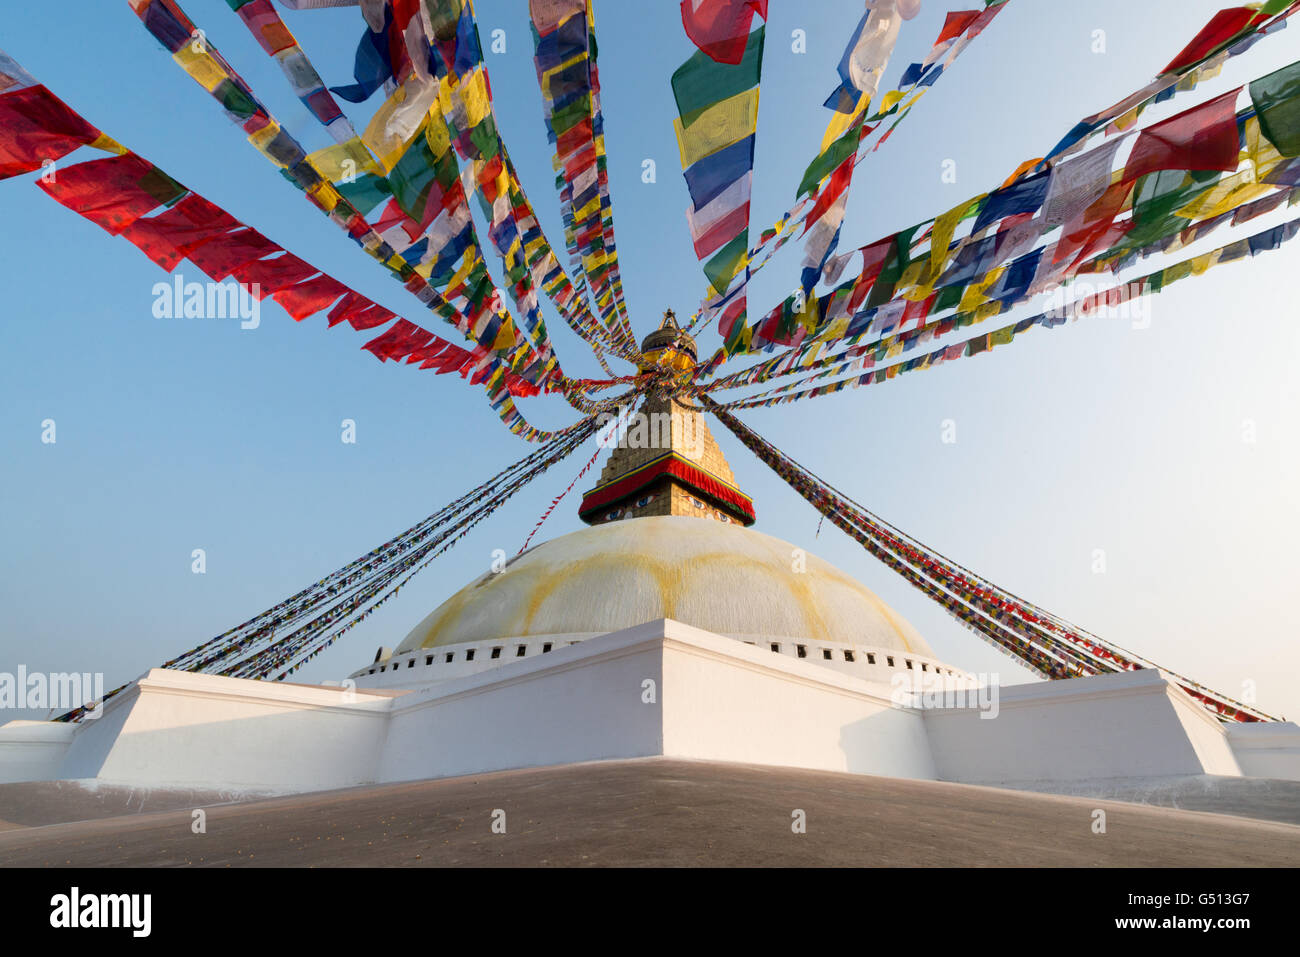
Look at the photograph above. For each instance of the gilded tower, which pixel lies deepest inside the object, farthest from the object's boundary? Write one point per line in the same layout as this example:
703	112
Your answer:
666	461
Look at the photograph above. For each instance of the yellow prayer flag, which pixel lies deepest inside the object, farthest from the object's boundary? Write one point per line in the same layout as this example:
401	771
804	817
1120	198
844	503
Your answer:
262	139
718	126
974	296
840	122
1176	272
109	145
1203	262
437	135
889	100
835	329
591	209
201	65
1227	195
399	119
506	336
343	161
916	96
325	196
463	270
941	238
473	93
1262	154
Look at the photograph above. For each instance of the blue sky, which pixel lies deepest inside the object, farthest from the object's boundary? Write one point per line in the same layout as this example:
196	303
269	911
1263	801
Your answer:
183	434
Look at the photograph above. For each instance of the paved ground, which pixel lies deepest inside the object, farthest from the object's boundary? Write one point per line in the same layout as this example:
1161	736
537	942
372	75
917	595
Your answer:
661	812
37	803
1261	798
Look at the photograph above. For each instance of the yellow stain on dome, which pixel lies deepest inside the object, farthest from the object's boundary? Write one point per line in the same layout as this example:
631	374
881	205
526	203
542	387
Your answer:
722	578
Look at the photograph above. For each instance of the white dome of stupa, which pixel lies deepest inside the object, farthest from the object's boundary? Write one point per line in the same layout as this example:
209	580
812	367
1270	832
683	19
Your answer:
720	577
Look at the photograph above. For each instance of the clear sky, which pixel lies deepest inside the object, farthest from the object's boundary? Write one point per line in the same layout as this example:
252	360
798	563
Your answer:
180	434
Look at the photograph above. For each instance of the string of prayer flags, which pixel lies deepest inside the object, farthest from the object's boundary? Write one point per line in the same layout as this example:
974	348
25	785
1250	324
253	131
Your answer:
427	221
1169	83
168	23
564	57
717	104
860	69
289	634
465	102
999	288
1083	196
843	140
266	26
119	192
1264	241
1045	642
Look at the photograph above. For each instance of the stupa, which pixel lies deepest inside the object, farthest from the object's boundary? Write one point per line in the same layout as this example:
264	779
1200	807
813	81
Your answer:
667	627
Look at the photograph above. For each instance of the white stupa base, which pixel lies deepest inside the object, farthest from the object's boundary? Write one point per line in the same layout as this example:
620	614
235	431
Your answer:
662	688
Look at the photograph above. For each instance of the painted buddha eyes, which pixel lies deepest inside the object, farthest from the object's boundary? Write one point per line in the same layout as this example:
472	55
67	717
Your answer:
614	515
644	500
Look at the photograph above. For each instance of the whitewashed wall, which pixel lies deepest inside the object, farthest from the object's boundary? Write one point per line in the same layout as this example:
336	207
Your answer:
577	703
33	750
1135	724
726	701
662	688
182	729
1267	750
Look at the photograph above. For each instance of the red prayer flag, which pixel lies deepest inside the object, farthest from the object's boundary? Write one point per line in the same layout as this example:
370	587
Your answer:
272	275
310	297
398	341
35	125
266	26
955	24
451	359
167	237
1202	138
350	305
112	192
1223	26
219	257
719	233
721	27
371	317
735	310
425	353
839	182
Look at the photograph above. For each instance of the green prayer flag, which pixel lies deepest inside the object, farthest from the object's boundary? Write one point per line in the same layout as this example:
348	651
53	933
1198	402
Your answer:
821	167
1277	101
366	192
948	298
412	177
234	100
700	82
727	261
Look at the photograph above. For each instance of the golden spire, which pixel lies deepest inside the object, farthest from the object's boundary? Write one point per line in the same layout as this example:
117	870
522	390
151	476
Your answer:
666	461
